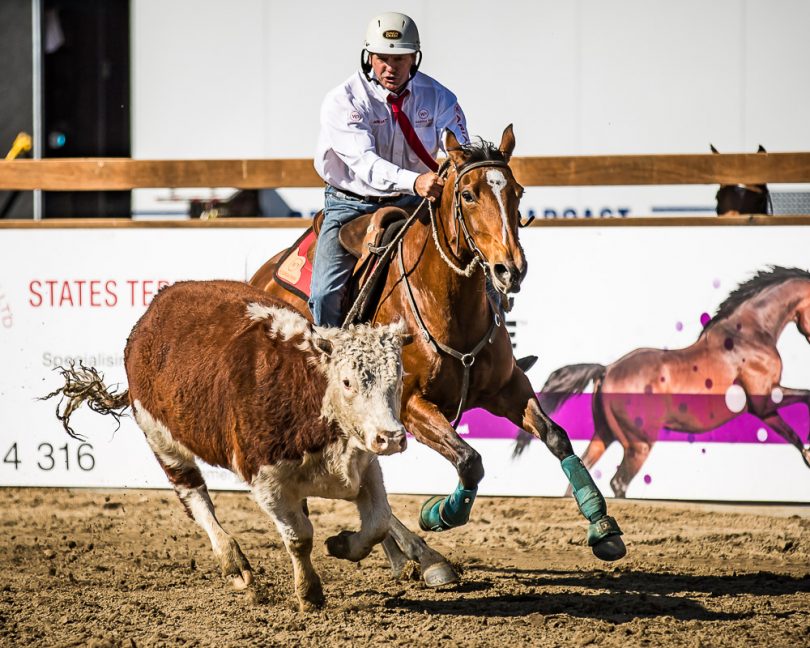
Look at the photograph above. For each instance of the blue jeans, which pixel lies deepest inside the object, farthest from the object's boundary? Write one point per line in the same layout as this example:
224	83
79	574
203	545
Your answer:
333	265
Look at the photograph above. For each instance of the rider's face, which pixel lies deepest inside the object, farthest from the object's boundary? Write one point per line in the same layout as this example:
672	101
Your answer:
392	70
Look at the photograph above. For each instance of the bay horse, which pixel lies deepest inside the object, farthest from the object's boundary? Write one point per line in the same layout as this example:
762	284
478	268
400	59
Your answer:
462	355
733	367
736	199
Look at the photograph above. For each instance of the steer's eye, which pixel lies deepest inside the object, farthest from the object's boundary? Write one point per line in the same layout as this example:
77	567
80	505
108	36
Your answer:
346	383
468	196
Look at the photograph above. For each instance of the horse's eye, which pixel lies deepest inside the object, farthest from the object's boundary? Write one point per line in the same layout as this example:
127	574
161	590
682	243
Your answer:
468	196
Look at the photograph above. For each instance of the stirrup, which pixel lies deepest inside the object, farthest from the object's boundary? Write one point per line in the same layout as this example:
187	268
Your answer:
525	363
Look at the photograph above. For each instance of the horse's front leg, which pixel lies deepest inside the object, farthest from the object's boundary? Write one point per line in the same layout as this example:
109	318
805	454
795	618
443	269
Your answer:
428	424
518	402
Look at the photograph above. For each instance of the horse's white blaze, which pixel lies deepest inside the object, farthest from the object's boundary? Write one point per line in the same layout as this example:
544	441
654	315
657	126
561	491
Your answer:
497	181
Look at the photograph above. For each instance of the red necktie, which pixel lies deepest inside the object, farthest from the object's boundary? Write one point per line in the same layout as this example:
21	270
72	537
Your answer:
407	130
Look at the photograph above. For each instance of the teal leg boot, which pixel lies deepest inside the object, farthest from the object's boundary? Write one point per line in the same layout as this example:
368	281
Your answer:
440	513
603	531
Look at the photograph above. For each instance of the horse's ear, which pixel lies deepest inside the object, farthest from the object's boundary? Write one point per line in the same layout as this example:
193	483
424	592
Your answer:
761	149
453	148
713	150
507	142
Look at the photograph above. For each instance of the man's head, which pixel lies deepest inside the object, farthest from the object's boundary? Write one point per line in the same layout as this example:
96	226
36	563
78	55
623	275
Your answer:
392	51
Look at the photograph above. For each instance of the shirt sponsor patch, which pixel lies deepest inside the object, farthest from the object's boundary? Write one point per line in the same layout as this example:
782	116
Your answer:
355	117
423	118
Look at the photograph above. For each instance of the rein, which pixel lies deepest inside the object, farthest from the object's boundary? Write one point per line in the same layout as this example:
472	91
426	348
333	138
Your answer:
467	359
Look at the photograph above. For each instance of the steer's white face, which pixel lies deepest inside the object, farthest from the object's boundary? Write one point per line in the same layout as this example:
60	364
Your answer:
363	368
364	384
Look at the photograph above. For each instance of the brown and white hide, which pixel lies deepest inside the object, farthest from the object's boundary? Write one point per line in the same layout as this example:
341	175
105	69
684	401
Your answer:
220	371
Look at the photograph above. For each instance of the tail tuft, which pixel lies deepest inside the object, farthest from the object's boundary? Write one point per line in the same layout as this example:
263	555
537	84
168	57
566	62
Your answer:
86	384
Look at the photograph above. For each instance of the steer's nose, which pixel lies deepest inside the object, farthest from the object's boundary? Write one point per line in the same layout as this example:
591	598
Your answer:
389	442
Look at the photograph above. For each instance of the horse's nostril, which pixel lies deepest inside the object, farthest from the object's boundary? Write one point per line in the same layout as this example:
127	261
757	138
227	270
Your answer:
502	272
382	441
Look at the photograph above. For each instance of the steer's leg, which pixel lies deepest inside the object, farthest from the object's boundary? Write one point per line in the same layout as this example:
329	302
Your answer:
375	518
181	468
296	530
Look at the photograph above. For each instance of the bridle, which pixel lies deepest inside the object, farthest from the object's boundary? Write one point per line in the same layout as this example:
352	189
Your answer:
467	359
746	194
460	221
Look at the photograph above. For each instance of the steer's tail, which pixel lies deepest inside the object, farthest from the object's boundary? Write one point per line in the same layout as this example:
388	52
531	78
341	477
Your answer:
86	384
560	386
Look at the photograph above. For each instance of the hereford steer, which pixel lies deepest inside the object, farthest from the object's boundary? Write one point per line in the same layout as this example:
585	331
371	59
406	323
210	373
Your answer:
219	371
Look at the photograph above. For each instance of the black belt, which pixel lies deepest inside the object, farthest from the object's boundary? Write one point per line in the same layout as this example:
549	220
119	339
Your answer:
378	200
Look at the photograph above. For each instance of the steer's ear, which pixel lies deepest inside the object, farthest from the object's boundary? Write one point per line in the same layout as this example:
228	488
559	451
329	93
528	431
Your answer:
322	344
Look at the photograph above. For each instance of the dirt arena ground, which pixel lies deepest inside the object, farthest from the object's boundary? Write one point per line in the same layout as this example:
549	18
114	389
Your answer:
128	568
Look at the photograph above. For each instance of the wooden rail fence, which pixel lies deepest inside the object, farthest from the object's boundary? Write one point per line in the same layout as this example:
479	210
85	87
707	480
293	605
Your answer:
98	174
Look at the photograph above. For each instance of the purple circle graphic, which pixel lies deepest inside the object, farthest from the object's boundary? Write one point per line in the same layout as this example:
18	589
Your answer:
597	474
703	451
647	479
690	438
709	383
704	319
694	368
716	283
728	343
638	421
679	326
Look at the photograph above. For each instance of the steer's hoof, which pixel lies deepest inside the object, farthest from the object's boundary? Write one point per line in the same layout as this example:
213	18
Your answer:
338	545
610	548
241	581
439	574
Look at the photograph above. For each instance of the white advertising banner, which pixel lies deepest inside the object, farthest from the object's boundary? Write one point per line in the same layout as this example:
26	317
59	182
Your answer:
593	295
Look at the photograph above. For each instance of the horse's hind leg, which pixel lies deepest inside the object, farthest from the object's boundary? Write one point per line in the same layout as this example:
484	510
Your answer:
600	440
181	469
517	402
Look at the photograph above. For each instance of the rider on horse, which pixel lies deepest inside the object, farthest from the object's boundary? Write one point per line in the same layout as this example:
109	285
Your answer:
380	131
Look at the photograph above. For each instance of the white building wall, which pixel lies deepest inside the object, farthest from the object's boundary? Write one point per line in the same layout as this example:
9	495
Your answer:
215	79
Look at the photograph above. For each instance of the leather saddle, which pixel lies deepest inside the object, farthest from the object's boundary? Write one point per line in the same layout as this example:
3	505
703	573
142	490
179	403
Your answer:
365	238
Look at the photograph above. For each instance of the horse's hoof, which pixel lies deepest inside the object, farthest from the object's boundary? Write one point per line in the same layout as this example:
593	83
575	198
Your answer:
609	549
439	574
430	517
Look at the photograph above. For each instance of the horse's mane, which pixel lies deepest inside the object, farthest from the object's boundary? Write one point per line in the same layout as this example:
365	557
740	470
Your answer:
759	282
479	150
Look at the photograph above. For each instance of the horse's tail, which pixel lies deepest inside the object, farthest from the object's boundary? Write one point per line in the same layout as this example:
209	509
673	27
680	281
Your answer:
560	386
86	384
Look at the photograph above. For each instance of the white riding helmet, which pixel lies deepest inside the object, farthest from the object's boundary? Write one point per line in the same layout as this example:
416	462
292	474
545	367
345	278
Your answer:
390	33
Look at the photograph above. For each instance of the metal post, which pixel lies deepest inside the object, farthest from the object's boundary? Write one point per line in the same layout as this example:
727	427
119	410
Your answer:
38	85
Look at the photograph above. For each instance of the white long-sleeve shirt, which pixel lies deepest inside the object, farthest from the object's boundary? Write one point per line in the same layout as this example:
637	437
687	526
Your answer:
360	147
